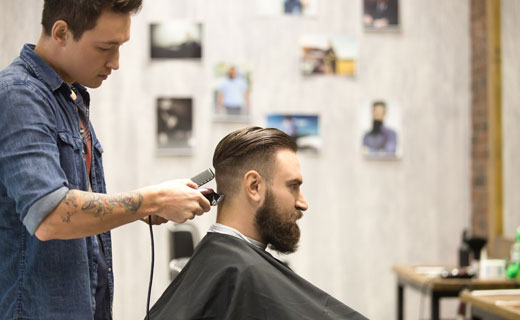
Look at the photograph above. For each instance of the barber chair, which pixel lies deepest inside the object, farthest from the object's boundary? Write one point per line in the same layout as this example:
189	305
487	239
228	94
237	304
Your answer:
183	239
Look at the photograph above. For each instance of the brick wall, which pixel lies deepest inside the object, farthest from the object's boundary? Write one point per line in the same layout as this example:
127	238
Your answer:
480	182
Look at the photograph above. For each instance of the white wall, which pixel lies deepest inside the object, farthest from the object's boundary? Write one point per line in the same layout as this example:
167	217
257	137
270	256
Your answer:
364	216
511	114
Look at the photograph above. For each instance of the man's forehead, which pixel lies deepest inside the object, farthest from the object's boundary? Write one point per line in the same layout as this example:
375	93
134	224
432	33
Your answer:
287	166
111	28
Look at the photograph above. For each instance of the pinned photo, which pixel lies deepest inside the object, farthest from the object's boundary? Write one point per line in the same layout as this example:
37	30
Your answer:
380	125
174	125
307	8
328	54
176	40
380	14
304	129
232	89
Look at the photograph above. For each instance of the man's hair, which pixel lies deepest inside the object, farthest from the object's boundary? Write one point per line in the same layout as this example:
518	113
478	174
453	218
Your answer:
379	103
251	148
82	15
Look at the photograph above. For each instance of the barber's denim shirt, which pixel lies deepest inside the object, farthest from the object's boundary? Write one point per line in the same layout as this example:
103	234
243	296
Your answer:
40	155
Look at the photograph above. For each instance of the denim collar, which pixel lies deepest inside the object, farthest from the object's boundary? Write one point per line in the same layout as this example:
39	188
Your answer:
46	74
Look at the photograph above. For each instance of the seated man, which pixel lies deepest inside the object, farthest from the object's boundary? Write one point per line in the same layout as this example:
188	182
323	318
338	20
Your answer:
230	275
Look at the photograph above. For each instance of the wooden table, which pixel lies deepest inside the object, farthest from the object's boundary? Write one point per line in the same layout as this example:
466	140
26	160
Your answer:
493	304
427	279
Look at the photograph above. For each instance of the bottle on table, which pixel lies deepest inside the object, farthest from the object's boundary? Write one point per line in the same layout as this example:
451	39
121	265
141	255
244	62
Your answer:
514	258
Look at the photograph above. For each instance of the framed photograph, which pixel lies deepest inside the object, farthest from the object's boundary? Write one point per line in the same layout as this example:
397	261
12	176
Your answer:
232	87
380	130
176	40
306	8
304	129
174	125
380	14
328	54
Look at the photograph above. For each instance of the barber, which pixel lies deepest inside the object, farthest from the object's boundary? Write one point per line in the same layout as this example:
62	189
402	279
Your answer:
55	215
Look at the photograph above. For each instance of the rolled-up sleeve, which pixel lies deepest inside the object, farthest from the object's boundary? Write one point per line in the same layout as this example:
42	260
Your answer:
42	207
30	167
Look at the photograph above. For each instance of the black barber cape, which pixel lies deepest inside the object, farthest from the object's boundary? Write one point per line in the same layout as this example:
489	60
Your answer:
229	278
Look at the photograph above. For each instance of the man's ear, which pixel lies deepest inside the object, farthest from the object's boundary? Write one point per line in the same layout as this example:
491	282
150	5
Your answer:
60	32
254	186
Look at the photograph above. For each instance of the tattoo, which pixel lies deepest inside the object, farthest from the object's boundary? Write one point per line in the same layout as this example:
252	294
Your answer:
100	205
70	201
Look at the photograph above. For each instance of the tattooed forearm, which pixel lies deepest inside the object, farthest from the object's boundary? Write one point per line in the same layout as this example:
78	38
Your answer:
100	205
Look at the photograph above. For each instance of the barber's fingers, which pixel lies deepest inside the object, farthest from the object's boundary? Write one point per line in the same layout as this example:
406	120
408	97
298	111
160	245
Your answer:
156	220
189	183
205	204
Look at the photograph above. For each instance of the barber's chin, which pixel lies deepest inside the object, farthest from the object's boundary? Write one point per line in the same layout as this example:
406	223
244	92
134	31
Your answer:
96	83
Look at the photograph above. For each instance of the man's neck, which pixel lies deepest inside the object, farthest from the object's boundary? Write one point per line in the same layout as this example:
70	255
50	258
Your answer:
235	216
45	50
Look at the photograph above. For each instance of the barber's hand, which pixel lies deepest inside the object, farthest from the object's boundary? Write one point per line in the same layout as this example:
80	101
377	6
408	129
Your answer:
176	200
156	220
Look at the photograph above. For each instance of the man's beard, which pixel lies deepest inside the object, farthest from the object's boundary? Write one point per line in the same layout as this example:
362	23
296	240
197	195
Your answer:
278	229
376	126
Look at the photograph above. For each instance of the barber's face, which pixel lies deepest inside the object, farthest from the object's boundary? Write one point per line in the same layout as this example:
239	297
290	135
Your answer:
91	59
283	205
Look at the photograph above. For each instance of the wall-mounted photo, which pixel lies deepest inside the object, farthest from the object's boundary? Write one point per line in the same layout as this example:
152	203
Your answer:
380	14
306	8
232	87
176	40
380	128
328	54
174	125
304	129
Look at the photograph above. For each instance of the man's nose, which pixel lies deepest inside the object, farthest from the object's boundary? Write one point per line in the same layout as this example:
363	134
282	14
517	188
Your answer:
301	204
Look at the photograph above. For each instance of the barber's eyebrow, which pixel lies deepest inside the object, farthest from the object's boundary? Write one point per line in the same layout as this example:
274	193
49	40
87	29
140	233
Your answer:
113	42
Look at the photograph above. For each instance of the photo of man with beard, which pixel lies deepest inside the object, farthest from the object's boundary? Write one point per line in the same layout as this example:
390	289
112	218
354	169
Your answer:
231	275
380	140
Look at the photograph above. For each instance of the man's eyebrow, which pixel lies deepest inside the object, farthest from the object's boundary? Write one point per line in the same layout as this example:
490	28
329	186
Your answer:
296	180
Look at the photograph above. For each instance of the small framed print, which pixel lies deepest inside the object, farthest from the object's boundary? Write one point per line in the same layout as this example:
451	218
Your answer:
296	8
174	125
176	40
304	129
232	87
381	14
380	130
328	54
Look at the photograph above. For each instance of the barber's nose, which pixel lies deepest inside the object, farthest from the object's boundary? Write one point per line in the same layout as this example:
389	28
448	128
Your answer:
301	204
113	63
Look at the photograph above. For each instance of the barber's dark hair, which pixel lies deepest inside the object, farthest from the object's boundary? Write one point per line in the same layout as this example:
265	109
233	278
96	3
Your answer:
251	148
82	15
379	103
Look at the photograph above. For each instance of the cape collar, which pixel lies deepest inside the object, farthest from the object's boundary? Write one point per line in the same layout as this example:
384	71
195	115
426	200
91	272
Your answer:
220	228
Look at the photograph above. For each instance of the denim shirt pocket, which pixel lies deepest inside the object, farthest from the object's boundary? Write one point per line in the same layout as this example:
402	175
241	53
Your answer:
98	180
71	159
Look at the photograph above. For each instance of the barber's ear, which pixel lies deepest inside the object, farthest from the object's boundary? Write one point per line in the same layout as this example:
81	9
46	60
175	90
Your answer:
60	32
254	185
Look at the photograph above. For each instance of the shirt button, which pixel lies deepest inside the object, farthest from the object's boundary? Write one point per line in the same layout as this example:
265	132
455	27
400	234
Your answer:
109	269
76	109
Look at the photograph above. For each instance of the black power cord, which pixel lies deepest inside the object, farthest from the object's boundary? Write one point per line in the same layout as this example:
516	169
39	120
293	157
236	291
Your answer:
151	270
